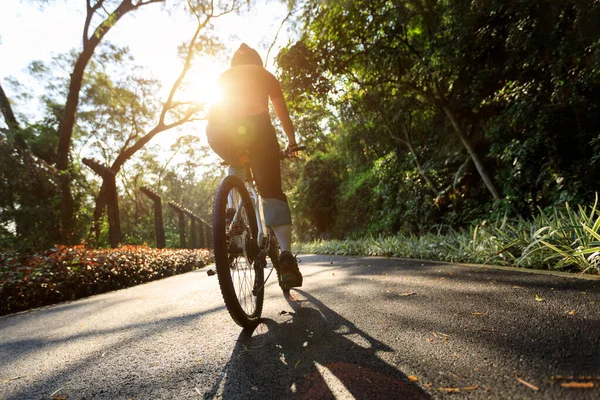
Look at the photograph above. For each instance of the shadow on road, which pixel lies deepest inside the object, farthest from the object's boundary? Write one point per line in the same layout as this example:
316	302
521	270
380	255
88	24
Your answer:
315	354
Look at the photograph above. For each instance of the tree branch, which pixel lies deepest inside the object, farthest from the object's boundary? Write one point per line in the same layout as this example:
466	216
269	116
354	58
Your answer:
277	35
7	112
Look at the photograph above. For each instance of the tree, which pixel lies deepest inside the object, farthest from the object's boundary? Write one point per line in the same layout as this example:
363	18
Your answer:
173	113
487	100
397	45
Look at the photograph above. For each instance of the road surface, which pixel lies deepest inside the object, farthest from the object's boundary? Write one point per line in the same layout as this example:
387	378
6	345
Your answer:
359	328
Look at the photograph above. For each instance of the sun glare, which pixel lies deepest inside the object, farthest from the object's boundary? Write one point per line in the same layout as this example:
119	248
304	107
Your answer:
201	82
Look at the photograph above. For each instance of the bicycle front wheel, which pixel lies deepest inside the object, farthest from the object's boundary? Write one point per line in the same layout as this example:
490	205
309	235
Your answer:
240	272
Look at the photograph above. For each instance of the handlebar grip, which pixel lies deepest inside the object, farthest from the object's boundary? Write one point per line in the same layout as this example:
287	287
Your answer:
285	153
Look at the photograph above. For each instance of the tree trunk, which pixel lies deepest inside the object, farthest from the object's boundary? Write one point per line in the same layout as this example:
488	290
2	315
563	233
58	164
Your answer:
7	112
65	132
408	143
114	222
65	129
422	172
487	180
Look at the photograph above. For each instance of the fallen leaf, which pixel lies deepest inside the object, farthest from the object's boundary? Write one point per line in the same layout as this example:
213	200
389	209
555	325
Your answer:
517	287
572	312
58	397
480	314
529	385
475	387
407	294
538	298
413	378
578	385
449	390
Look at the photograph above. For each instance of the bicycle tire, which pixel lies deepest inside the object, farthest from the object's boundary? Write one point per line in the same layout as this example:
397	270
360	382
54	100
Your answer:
241	275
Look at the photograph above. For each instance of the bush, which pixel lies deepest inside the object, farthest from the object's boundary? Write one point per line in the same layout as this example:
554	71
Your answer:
68	273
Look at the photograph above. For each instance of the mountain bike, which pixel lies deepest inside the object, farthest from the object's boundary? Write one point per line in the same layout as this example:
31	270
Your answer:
242	244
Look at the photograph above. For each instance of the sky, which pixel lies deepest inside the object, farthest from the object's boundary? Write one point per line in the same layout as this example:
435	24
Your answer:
30	32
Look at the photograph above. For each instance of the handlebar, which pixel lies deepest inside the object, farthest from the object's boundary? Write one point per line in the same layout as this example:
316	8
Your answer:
287	152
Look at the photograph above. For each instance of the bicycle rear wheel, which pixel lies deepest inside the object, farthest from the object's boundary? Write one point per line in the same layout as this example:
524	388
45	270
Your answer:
240	272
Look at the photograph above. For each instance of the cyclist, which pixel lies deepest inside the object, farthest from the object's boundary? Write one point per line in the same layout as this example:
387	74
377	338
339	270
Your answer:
241	119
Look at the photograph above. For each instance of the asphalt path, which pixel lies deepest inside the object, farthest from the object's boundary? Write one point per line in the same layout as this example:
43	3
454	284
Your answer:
359	328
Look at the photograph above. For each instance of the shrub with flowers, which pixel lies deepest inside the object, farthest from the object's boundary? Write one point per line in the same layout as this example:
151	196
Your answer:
71	272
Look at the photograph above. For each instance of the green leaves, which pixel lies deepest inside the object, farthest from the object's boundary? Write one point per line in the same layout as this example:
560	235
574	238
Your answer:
558	240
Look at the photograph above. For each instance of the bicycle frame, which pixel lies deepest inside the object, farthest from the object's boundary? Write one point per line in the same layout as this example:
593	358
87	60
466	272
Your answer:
258	209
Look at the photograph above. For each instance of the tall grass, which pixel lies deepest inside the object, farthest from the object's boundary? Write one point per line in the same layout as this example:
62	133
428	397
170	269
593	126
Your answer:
560	239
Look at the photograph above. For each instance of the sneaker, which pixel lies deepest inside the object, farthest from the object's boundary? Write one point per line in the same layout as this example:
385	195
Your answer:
289	274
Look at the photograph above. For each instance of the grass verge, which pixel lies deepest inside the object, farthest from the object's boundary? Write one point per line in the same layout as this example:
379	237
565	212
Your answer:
562	239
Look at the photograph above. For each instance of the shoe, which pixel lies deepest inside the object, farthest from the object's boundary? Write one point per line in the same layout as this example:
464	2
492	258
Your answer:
289	274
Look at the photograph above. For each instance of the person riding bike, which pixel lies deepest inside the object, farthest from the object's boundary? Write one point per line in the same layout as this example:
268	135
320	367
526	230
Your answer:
241	120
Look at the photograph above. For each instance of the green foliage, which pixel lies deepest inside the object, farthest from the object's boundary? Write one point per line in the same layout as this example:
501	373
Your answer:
425	100
559	239
315	195
68	273
28	197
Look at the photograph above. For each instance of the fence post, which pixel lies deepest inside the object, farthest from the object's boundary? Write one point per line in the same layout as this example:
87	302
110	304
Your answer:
181	214
193	233
204	238
158	216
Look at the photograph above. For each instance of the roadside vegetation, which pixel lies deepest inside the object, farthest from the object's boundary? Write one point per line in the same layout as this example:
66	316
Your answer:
564	239
71	272
448	130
